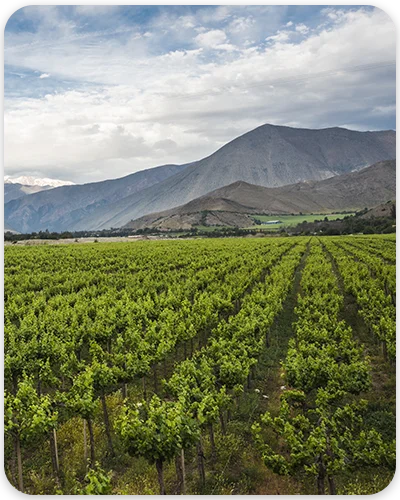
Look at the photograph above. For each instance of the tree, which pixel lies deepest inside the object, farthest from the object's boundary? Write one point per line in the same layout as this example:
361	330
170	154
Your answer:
195	384
321	441
81	400
157	431
27	416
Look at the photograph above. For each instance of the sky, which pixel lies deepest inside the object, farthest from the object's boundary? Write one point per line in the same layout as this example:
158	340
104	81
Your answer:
99	92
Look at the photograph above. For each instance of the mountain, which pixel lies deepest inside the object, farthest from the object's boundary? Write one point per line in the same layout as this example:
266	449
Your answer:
231	205
17	187
62	208
14	191
27	180
387	209
8	229
269	156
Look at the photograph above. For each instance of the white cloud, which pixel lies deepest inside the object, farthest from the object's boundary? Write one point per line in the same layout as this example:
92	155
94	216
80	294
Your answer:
279	37
385	110
187	22
334	14
241	24
211	39
44	75
226	46
302	28
96	10
134	106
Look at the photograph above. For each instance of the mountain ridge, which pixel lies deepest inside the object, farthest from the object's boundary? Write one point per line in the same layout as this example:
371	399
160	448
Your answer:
27	180
59	208
13	191
353	191
205	175
269	156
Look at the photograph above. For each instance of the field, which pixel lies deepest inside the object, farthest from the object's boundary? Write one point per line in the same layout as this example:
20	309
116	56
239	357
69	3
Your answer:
293	220
226	366
285	221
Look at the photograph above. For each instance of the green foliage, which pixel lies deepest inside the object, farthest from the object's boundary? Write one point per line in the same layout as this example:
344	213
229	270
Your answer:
81	399
98	482
323	434
80	321
27	414
156	430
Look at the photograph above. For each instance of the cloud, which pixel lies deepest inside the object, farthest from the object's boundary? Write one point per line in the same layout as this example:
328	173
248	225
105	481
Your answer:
241	24
302	28
124	96
279	37
166	145
388	110
211	39
334	14
44	75
96	10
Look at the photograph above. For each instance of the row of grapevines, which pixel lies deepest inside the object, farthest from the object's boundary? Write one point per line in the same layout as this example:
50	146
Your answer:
54	339
201	389
384	272
65	350
387	238
375	307
319	427
384	248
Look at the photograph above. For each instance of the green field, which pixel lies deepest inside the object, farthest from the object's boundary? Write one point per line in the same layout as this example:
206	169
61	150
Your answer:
286	221
293	220
201	366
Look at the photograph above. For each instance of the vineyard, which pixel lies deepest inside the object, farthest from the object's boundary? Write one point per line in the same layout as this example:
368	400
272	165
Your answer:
229	366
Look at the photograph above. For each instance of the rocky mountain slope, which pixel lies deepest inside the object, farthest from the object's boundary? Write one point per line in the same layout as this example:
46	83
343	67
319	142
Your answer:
353	191
387	209
13	191
62	208
268	156
8	229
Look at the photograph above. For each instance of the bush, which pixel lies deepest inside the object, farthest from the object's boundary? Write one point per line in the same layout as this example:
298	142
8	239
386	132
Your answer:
98	483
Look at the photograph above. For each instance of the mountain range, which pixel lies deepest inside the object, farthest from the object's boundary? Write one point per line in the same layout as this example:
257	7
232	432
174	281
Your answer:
233	204
17	187
27	180
59	209
13	191
269	156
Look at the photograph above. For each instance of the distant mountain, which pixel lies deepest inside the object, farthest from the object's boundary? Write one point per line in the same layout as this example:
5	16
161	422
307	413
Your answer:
8	229
14	191
17	187
231	205
269	156
27	180
62	208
